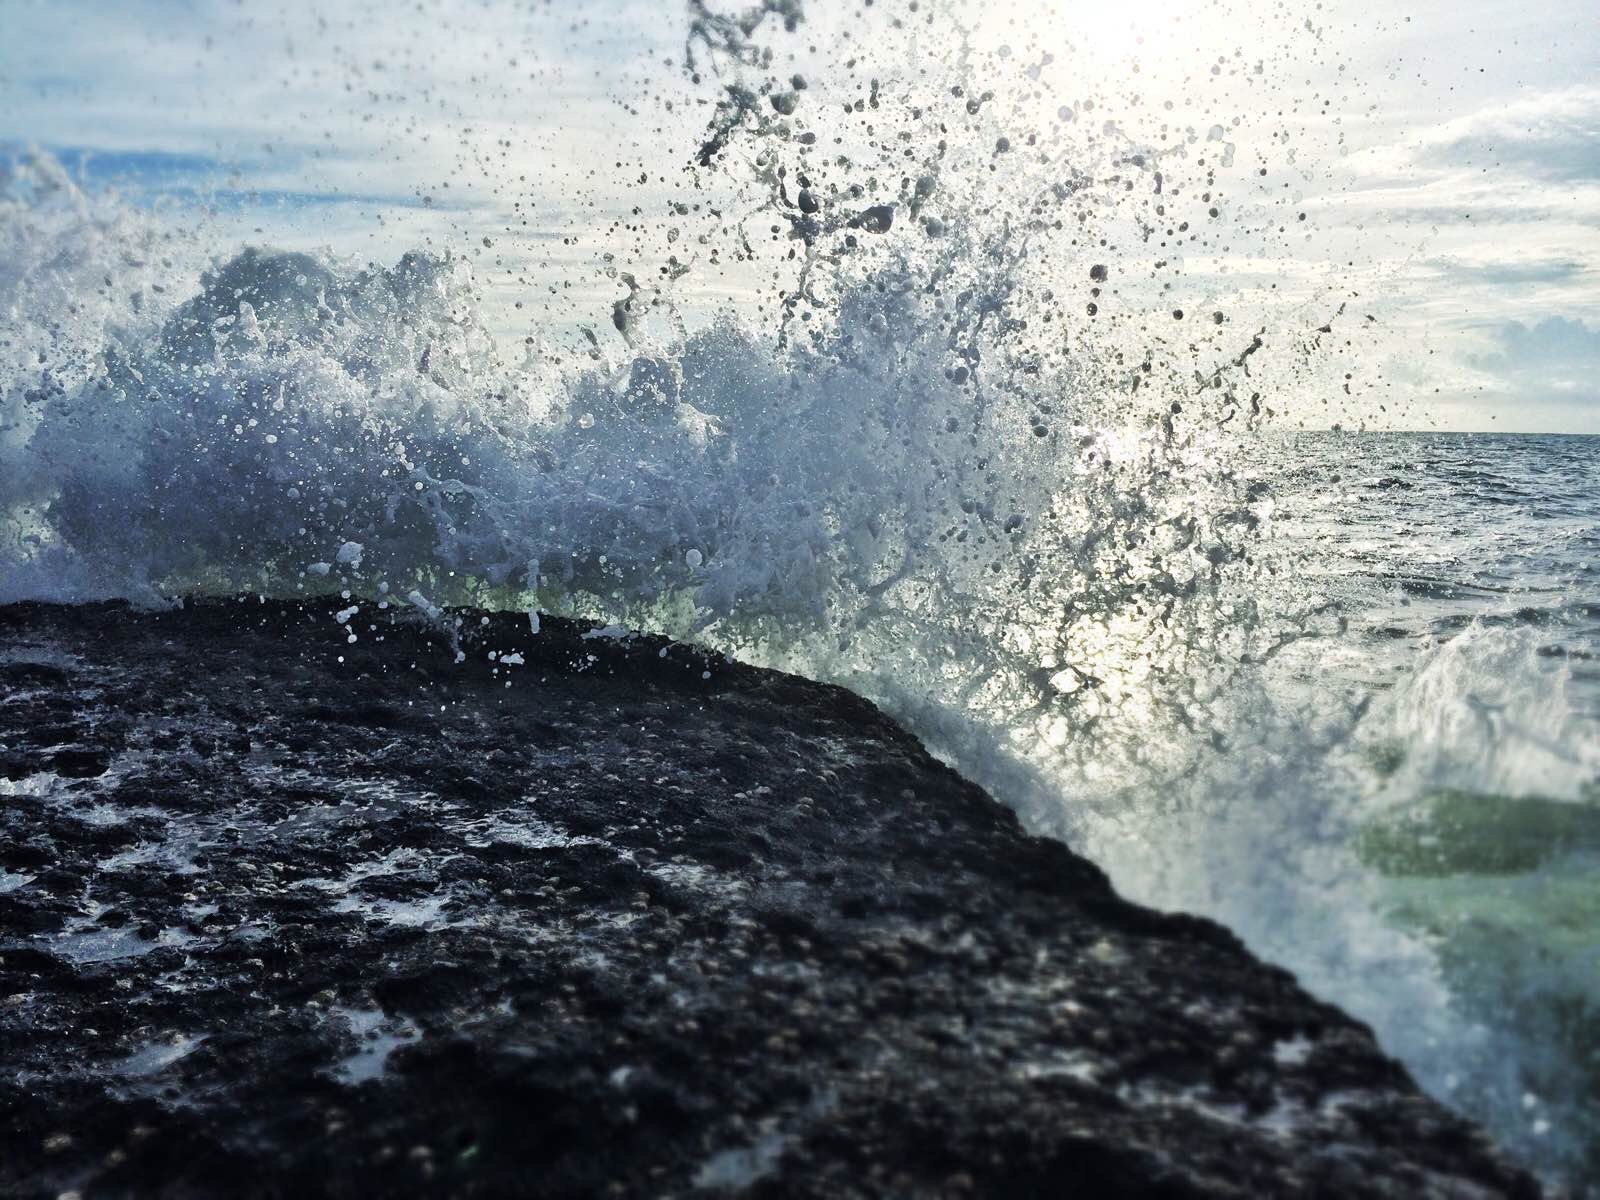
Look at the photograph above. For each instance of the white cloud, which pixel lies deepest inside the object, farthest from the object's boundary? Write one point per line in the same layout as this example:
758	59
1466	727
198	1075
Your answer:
1553	349
1553	135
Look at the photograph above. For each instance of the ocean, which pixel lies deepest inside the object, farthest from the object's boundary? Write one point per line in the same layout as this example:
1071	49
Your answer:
1466	568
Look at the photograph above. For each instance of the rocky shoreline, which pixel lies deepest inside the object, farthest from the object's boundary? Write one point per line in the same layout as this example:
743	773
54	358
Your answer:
295	899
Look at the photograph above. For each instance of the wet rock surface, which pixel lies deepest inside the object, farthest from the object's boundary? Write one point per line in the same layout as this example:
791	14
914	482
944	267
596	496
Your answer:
286	912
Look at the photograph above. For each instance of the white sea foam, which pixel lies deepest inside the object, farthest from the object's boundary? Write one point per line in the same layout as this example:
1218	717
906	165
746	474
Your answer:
1486	711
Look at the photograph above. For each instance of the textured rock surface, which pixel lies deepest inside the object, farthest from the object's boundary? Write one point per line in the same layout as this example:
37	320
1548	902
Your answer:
282	913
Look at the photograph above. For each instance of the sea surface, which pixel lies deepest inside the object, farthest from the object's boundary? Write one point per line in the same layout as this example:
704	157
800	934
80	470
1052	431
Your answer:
1466	570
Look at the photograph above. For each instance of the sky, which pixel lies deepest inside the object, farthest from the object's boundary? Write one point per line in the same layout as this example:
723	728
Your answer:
1445	156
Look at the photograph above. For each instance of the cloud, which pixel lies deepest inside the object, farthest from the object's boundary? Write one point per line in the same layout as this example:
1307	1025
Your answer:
1557	358
1506	272
1552	341
1554	135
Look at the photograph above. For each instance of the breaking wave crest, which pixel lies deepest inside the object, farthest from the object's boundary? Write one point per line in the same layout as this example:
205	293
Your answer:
297	424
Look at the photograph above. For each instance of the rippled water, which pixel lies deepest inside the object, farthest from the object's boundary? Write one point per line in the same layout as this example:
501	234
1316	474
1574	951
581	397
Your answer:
1468	569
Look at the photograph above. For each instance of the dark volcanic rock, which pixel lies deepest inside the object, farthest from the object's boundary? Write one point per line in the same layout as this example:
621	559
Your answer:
283	913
